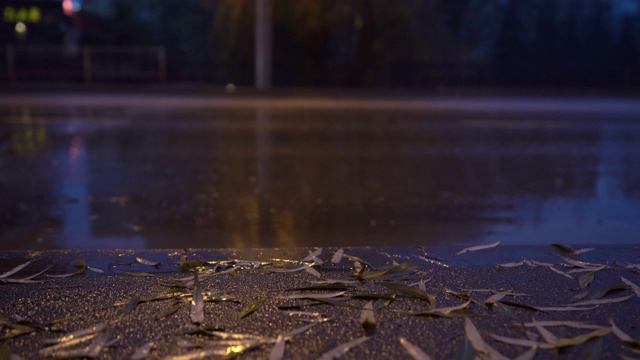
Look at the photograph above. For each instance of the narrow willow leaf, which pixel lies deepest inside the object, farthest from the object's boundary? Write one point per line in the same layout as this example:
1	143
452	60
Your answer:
16	330
560	272
55	349
76	334
521	342
288	270
535	263
336	302
367	317
602	301
505	310
337	256
313	255
129	306
329	286
302	329
587	269
461	313
358	260
444	309
252	308
20	281
196	313
143	351
415	292
432	261
464	350
563	248
388	296
80	269
170	310
581	264
333	281
603	292
511	264
277	352
634	287
581	295
15	269
137	274
586	279
415	352
564	342
398	270
479	247
622	335
494	298
566	308
312	271
521	305
342	349
147	262
572	324
95	270
314	296
478	343
548	336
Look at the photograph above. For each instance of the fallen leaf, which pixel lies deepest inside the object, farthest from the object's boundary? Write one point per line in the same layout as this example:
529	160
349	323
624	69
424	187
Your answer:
312	271
598	294
415	352
634	287
170	310
277	352
342	349
148	262
602	301
337	256
529	354
412	291
572	324
314	296
196	313
586	279
15	269
313	255
479	247
367	317
143	351
481	348
577	340
511	264
622	335
521	342
252	308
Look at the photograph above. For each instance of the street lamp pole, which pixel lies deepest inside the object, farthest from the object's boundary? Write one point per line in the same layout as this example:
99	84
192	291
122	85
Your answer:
263	44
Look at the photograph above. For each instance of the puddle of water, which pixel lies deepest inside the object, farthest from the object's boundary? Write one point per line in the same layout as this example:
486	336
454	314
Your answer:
277	178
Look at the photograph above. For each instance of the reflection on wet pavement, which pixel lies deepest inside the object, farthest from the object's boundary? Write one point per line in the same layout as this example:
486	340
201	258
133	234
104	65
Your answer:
116	178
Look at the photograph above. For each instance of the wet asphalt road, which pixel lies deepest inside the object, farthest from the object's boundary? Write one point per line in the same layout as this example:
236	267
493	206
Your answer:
58	306
131	171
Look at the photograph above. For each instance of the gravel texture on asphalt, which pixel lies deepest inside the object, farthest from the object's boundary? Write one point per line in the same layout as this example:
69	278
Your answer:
56	307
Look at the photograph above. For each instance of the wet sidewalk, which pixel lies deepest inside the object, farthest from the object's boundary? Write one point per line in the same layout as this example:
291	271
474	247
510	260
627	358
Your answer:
492	301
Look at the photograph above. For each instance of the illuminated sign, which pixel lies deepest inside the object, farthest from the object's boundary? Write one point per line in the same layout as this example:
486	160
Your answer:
22	14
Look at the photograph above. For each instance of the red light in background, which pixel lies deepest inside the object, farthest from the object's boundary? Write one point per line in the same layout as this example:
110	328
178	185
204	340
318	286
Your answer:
68	7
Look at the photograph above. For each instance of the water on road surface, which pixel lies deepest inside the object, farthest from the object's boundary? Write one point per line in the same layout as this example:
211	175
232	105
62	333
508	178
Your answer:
144	177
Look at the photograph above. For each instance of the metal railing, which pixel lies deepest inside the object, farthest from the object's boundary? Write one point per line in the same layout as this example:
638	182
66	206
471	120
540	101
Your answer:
88	64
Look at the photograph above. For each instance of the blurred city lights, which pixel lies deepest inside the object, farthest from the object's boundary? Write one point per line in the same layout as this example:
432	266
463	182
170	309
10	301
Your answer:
21	28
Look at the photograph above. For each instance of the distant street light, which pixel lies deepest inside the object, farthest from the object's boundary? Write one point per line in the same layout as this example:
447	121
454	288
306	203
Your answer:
263	44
